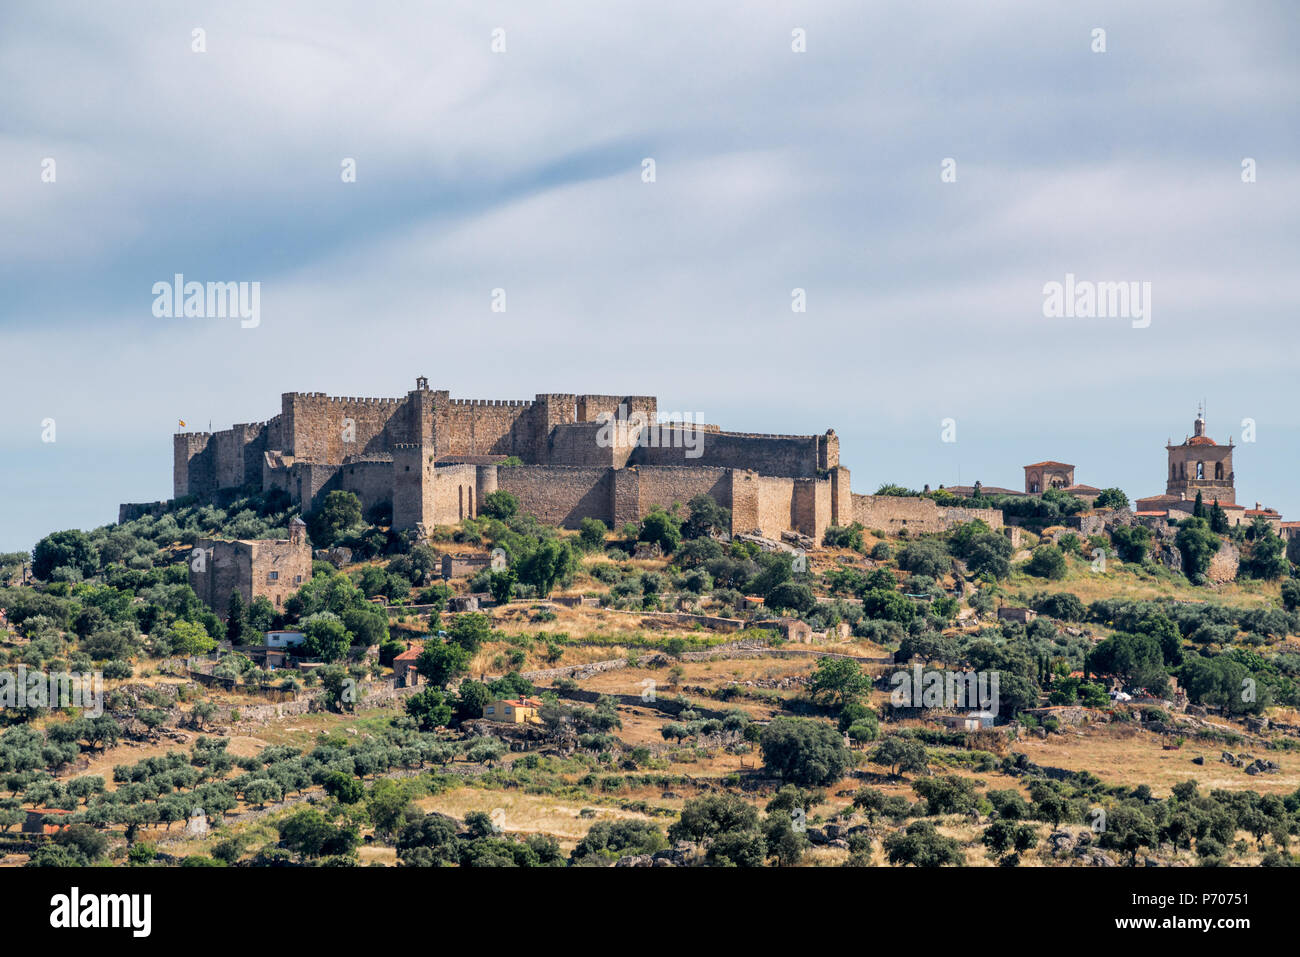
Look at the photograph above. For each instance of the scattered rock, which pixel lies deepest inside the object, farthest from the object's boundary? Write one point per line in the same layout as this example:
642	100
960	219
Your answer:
1096	858
679	855
1260	766
1062	842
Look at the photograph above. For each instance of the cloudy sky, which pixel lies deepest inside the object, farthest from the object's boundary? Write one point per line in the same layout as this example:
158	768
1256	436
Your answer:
775	170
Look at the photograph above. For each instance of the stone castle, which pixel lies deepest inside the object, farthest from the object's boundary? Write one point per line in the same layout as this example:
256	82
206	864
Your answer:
434	459
566	457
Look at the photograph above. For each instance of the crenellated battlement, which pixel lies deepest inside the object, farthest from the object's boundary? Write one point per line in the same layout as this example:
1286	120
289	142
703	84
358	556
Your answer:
491	403
363	400
355	400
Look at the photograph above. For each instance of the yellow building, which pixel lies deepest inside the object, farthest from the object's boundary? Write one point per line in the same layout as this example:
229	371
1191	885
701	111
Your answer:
513	710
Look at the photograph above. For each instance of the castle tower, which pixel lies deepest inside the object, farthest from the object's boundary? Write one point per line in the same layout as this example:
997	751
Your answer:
423	406
1201	465
413	485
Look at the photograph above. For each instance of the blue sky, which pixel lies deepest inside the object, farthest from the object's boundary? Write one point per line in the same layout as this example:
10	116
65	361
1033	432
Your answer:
521	170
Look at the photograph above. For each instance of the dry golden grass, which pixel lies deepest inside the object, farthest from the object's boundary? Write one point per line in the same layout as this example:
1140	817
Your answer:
371	854
1119	754
1127	582
526	813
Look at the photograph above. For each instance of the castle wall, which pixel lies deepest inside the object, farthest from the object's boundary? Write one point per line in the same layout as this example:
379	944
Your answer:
412	486
554	408
561	495
454	497
952	517
204	462
828	451
484	427
893	513
485	482
194	464
130	511
589	407
579	444
310	482
841	497
275	474
325	428
230	445
744	502
783	455
775	505
625	502
371	482
666	487
255	443
811	506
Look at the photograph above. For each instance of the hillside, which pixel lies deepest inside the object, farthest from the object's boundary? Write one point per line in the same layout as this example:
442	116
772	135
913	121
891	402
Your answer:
686	699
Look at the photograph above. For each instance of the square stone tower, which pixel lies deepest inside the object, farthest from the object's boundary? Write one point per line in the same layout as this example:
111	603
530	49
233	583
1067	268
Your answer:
1201	465
1041	476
